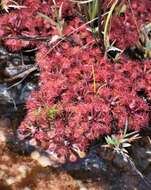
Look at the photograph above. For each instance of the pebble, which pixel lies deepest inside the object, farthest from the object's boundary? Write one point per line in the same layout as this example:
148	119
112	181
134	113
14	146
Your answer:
81	185
23	171
44	161
35	155
83	188
6	158
2	174
2	137
10	180
26	188
3	167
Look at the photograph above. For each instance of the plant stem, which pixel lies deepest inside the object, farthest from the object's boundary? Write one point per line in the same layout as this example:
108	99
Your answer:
107	25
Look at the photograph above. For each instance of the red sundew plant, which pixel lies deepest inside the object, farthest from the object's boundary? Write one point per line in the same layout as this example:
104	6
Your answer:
82	95
21	28
83	115
126	25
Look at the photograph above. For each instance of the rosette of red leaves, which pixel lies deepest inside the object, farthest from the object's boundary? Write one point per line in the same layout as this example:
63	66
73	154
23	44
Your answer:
125	28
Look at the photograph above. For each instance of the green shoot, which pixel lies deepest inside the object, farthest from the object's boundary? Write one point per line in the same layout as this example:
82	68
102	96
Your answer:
107	25
122	141
88	8
93	9
51	113
58	20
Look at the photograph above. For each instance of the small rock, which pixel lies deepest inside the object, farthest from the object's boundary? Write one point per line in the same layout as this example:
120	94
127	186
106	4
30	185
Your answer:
83	188
23	171
2	137
44	161
81	185
2	174
26	188
3	167
10	180
18	178
6	158
35	155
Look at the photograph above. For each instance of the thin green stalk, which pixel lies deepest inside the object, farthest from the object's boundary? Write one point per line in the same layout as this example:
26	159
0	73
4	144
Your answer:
93	9
107	25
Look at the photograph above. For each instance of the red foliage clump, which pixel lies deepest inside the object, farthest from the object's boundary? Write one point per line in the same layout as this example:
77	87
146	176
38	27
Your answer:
84	113
30	21
125	28
81	95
